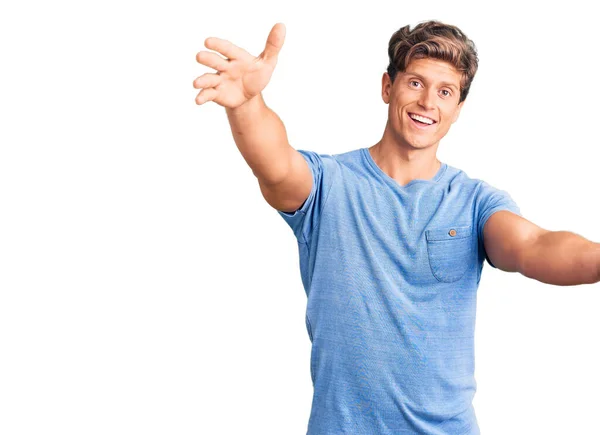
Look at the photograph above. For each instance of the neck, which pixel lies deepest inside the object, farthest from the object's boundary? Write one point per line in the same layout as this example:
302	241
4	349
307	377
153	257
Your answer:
405	165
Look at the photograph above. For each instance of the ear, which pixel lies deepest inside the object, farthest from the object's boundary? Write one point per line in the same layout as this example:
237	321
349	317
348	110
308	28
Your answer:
458	109
386	87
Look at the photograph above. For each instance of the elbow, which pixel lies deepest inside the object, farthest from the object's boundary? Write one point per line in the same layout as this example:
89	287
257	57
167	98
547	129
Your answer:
529	255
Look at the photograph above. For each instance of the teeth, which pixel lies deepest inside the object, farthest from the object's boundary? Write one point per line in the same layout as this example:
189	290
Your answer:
421	118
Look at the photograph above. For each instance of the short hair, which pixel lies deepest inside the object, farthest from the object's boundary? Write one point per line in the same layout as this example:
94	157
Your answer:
436	40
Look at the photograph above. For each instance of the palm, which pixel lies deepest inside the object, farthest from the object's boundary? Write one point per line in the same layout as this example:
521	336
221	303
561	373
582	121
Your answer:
243	81
240	76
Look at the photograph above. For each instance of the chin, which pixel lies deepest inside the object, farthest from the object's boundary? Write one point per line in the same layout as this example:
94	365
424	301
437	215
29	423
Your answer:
419	144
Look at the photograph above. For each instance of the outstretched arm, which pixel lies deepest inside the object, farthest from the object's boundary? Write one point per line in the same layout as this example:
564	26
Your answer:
515	244
283	174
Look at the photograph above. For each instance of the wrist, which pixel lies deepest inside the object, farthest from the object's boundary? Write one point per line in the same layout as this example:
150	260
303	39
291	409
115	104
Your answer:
249	105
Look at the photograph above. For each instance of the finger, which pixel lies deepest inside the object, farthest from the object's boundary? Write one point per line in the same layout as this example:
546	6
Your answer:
274	41
205	95
212	60
208	80
226	48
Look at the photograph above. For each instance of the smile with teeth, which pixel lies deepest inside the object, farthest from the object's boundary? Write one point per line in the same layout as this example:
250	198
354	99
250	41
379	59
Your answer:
421	119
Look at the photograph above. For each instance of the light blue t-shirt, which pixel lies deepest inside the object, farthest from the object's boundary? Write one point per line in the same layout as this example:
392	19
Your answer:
391	274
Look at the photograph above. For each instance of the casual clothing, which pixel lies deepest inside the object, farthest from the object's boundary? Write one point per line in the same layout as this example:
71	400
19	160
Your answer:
391	274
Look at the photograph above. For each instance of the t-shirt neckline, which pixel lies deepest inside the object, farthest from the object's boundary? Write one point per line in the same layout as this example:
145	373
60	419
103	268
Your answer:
378	170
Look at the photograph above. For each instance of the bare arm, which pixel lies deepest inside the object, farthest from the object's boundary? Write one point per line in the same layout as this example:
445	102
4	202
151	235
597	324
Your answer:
261	138
284	176
562	258
515	244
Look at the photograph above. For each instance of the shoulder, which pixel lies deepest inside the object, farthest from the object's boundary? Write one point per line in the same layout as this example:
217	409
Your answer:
480	188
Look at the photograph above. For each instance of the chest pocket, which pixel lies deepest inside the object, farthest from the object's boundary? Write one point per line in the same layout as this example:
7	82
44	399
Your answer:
449	251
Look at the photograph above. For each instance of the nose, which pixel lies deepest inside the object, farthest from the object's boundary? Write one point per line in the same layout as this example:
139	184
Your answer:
427	98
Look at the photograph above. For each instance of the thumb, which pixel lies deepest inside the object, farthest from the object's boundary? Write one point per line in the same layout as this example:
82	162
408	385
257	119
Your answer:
274	42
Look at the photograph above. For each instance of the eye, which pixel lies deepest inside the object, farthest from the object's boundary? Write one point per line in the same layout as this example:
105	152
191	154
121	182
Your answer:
412	82
447	93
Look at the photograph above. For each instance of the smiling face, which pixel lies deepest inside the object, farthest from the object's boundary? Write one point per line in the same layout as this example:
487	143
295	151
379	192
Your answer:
423	102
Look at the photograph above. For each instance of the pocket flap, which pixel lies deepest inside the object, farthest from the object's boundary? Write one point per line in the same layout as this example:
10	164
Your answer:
448	233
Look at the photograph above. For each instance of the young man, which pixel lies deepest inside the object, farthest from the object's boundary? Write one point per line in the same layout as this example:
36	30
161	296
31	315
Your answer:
391	240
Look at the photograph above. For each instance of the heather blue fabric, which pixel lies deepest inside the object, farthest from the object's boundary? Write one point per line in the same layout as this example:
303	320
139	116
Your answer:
391	295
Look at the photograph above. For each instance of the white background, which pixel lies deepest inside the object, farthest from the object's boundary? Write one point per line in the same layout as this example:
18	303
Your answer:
146	287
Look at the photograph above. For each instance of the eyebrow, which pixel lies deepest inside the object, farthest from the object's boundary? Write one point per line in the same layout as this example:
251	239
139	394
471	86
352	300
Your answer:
452	85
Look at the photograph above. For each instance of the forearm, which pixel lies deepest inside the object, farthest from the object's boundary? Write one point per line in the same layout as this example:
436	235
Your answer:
261	138
562	258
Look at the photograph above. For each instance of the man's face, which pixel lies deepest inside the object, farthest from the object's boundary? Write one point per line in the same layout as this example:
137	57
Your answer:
430	88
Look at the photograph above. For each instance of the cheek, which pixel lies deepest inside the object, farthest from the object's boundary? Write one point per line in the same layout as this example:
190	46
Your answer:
395	112
453	112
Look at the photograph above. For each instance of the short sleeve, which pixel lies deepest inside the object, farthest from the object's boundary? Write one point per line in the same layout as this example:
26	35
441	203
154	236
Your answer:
489	201
305	220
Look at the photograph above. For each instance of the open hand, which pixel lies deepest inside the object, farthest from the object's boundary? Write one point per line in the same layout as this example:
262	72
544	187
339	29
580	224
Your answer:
240	76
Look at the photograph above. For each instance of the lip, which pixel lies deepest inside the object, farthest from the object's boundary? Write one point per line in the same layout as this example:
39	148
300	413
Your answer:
417	125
